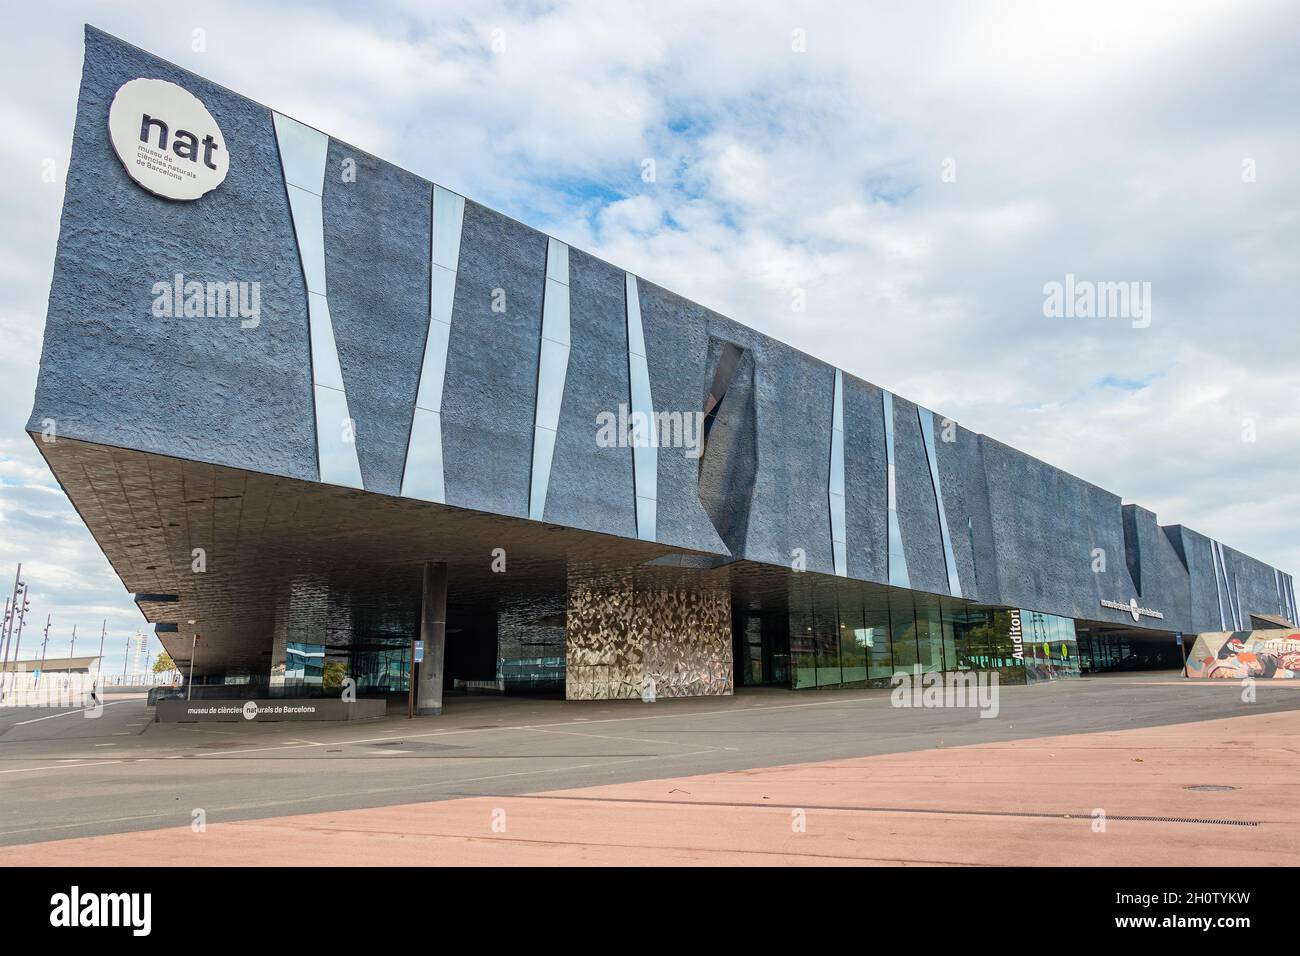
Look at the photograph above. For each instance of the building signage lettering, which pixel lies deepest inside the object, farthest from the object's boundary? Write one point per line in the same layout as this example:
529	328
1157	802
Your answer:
1017	636
167	139
1133	610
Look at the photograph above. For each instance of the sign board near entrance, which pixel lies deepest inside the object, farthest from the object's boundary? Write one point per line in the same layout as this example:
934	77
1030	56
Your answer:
266	710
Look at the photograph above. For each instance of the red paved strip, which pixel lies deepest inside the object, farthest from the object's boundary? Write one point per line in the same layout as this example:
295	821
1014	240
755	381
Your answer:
862	811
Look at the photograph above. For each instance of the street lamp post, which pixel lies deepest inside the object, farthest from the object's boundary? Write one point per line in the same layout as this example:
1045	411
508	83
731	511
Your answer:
44	642
99	664
18	638
11	611
11	617
4	630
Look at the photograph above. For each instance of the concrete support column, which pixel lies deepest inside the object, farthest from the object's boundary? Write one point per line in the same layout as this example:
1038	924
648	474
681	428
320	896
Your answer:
433	632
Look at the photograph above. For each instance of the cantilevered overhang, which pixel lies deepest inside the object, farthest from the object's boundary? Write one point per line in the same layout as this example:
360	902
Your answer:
234	551
234	554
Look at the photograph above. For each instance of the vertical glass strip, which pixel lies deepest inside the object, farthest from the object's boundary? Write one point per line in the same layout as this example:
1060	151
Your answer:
303	152
552	368
423	475
645	451
335	438
898	575
1227	589
926	418
1218	592
839	541
1242	623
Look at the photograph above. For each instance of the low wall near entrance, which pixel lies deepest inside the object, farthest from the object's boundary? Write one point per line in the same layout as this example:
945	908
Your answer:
267	710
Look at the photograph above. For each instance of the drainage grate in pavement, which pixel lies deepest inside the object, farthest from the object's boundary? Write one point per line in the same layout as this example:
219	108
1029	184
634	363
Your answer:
1210	787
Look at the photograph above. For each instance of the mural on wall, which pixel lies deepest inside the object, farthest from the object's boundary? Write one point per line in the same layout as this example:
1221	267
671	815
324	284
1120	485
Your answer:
1234	655
639	636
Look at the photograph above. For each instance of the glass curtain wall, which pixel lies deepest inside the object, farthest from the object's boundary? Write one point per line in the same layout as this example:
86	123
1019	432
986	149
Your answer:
849	634
853	637
875	635
1050	646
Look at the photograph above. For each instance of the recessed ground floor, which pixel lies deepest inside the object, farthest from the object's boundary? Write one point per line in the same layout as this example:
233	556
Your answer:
264	586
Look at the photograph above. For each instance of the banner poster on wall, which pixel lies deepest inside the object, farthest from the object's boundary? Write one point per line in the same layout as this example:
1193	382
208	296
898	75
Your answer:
1234	655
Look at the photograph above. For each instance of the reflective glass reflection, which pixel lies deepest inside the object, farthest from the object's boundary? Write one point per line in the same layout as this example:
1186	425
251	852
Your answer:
423	477
303	152
898	576
335	444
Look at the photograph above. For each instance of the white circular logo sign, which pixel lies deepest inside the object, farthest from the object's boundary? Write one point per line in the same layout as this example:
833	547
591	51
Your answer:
167	139
250	710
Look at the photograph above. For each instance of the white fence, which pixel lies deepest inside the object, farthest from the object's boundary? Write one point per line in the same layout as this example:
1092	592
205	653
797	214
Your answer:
49	690
109	681
29	689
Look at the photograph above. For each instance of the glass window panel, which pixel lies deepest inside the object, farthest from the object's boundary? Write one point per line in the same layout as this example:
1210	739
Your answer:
303	153
434	370
826	633
543	452
423	477
552	369
1002	650
902	622
325	368
803	646
950	659
646	509
853	638
309	228
555	313
929	636
448	217
335	446
875	623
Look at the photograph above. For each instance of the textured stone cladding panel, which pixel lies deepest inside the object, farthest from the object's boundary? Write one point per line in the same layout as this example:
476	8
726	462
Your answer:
962	463
918	516
677	344
592	487
1204	597
1255	584
489	398
865	482
199	388
794	396
1165	586
1046	524
619	633
377	264
957	507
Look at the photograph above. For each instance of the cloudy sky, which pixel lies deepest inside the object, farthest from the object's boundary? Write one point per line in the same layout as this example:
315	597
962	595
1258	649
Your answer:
916	175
